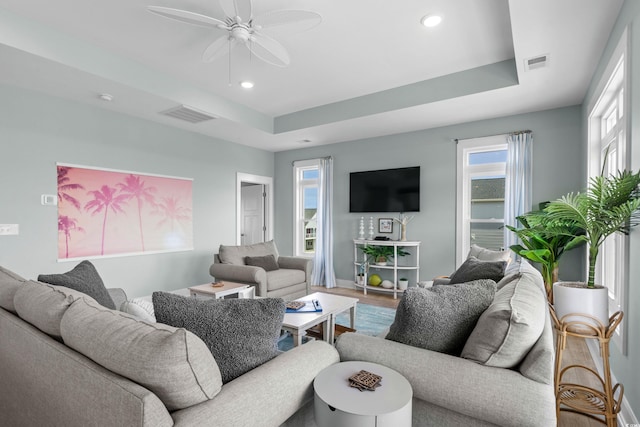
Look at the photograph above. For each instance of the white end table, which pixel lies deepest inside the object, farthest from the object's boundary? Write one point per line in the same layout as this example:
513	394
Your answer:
336	404
229	288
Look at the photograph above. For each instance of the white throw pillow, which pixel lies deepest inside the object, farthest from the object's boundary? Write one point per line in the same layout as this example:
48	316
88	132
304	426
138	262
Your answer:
140	308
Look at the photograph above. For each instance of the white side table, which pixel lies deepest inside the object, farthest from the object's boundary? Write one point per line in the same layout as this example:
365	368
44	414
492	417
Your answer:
336	404
229	288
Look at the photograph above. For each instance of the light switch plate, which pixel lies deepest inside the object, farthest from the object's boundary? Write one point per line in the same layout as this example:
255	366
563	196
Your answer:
49	199
9	229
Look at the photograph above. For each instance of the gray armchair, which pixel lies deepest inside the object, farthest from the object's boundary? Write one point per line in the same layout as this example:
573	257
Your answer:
288	278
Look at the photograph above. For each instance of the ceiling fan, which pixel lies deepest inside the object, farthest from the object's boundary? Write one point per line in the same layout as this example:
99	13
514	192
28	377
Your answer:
243	28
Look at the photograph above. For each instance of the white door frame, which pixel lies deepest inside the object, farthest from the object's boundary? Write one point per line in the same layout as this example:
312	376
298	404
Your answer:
267	181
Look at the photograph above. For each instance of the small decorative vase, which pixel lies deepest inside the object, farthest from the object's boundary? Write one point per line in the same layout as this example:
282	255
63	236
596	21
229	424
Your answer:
403	284
361	229
370	228
381	260
403	233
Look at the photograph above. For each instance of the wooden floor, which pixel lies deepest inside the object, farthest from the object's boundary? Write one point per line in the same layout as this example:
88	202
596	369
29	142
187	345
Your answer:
576	352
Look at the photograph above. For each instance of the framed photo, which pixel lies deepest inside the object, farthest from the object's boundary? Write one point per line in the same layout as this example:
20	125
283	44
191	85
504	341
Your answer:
385	225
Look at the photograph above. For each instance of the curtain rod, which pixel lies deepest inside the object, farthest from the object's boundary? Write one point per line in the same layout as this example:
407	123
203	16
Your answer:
515	132
313	158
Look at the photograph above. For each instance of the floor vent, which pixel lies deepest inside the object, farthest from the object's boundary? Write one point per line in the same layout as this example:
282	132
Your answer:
540	61
188	114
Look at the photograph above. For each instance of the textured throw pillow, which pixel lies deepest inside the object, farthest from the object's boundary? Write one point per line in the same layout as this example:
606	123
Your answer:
475	269
242	334
173	363
509	328
140	308
267	262
9	283
442	317
83	278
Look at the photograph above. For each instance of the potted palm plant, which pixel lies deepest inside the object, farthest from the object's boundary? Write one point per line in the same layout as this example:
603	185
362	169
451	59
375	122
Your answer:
609	205
542	247
381	254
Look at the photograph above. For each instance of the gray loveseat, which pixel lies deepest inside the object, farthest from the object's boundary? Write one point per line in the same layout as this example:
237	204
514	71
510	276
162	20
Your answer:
454	391
288	278
67	361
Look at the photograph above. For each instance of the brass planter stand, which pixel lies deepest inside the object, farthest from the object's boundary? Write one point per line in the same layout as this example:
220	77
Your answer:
600	405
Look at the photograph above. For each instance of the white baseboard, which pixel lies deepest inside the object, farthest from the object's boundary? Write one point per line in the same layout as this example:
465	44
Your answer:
342	283
626	416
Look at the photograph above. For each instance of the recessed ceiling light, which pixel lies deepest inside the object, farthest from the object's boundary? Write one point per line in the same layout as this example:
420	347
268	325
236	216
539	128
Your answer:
107	97
246	84
431	20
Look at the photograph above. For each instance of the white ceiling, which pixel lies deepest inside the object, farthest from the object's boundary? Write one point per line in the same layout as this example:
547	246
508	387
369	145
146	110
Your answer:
368	69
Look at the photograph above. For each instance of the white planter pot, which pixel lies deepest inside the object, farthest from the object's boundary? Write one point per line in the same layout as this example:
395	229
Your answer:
575	297
403	284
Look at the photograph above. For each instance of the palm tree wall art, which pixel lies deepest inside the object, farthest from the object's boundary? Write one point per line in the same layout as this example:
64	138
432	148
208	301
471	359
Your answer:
105	212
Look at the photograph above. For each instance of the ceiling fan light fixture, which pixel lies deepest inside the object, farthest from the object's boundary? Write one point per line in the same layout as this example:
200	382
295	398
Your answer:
246	84
431	20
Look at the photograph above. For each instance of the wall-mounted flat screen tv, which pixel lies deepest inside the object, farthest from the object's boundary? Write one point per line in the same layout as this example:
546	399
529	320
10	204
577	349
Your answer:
387	190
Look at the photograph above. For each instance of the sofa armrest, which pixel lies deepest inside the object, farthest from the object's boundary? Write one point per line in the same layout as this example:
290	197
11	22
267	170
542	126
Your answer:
118	295
495	395
242	274
273	391
297	263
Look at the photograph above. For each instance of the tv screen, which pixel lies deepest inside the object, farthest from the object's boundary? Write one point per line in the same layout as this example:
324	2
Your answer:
388	190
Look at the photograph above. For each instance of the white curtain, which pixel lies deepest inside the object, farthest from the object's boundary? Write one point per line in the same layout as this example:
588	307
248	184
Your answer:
323	273
518	182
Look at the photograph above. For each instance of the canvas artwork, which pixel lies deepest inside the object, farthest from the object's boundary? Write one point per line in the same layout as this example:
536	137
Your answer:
104	213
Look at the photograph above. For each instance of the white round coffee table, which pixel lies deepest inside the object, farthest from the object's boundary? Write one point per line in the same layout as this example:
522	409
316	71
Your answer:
336	404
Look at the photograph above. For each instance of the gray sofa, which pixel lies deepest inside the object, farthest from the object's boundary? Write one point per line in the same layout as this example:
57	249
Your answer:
289	278
455	391
133	373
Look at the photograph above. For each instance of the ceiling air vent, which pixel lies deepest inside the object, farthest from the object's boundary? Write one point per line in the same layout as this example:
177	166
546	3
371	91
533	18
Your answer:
540	61
188	114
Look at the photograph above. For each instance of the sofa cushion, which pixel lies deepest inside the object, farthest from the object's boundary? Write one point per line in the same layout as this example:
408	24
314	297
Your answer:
9	283
236	254
140	308
266	262
241	333
172	363
441	318
475	269
511	325
83	278
43	305
485	254
284	278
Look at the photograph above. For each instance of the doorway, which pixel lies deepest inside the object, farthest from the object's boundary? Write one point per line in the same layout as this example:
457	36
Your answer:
254	208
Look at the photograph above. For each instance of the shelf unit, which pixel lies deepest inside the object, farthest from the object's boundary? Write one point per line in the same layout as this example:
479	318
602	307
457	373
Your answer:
360	258
601	405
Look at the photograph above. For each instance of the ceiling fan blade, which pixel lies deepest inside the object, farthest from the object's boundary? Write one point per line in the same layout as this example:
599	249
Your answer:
235	8
292	20
188	17
268	50
220	47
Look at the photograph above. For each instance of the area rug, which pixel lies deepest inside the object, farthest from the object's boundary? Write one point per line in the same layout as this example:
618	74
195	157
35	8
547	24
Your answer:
370	320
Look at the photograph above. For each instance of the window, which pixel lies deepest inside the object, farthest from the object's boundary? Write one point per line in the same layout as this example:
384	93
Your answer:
481	191
305	183
607	137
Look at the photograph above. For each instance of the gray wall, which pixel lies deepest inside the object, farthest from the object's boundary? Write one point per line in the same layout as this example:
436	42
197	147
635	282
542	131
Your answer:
557	169
625	367
36	131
